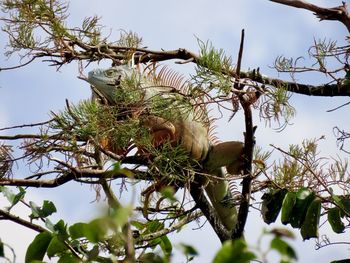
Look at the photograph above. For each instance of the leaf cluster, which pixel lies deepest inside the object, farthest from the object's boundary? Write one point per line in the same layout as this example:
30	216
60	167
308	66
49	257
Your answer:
302	210
212	69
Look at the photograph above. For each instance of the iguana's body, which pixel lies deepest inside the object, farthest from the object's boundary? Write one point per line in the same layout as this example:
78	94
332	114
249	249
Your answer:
186	125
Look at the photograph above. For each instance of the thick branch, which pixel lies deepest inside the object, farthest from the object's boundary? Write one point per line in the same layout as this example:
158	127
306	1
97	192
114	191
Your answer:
247	181
144	56
90	53
331	90
339	13
202	203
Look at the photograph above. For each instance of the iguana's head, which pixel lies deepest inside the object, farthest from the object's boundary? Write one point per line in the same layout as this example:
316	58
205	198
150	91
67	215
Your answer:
107	81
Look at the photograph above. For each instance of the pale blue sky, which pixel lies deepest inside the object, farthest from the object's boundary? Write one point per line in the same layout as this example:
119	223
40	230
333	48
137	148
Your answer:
27	95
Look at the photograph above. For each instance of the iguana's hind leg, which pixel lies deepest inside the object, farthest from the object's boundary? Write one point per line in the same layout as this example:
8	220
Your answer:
228	154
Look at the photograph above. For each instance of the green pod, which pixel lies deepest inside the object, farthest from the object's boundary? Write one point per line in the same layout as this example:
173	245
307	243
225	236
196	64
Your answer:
304	197
287	207
309	228
334	219
271	205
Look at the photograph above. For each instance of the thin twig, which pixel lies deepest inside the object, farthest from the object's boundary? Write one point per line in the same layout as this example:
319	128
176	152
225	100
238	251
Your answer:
337	108
26	125
188	218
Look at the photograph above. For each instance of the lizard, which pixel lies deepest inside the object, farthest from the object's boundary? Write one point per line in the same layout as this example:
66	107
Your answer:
190	127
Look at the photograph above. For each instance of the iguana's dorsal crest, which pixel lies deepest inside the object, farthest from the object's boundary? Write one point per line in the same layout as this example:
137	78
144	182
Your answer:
171	121
160	78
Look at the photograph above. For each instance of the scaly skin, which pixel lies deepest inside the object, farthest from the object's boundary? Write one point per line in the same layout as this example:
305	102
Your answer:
189	128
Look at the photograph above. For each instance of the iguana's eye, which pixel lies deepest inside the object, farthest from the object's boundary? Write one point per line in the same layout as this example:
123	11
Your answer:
109	73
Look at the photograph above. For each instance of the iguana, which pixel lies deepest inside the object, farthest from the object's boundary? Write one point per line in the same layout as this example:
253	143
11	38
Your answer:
172	115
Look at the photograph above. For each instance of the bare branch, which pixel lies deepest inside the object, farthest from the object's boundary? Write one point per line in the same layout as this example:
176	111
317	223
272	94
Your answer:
202	203
327	90
70	176
338	13
18	220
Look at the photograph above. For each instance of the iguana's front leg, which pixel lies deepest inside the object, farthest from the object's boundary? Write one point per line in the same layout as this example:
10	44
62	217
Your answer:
161	130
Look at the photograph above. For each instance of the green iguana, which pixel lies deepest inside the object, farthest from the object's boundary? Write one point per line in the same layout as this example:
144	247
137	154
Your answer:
179	119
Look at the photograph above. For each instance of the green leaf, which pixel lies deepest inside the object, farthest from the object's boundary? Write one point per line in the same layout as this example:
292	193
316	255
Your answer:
38	247
12	197
47	209
78	230
234	251
166	245
49	225
93	231
35	210
96	230
138	225
61	230
272	203
19	196
188	250
287	207
334	219
304	197
309	228
153	226
55	247
343	203
283	248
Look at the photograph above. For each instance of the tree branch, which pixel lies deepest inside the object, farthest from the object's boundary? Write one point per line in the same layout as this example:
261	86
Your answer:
248	154
327	90
202	203
18	220
338	13
70	176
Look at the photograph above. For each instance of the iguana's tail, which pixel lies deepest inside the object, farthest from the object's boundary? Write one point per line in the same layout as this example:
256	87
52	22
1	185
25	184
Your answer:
229	155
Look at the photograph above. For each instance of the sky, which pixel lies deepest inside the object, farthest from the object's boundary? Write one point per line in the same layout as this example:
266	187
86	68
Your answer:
27	95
